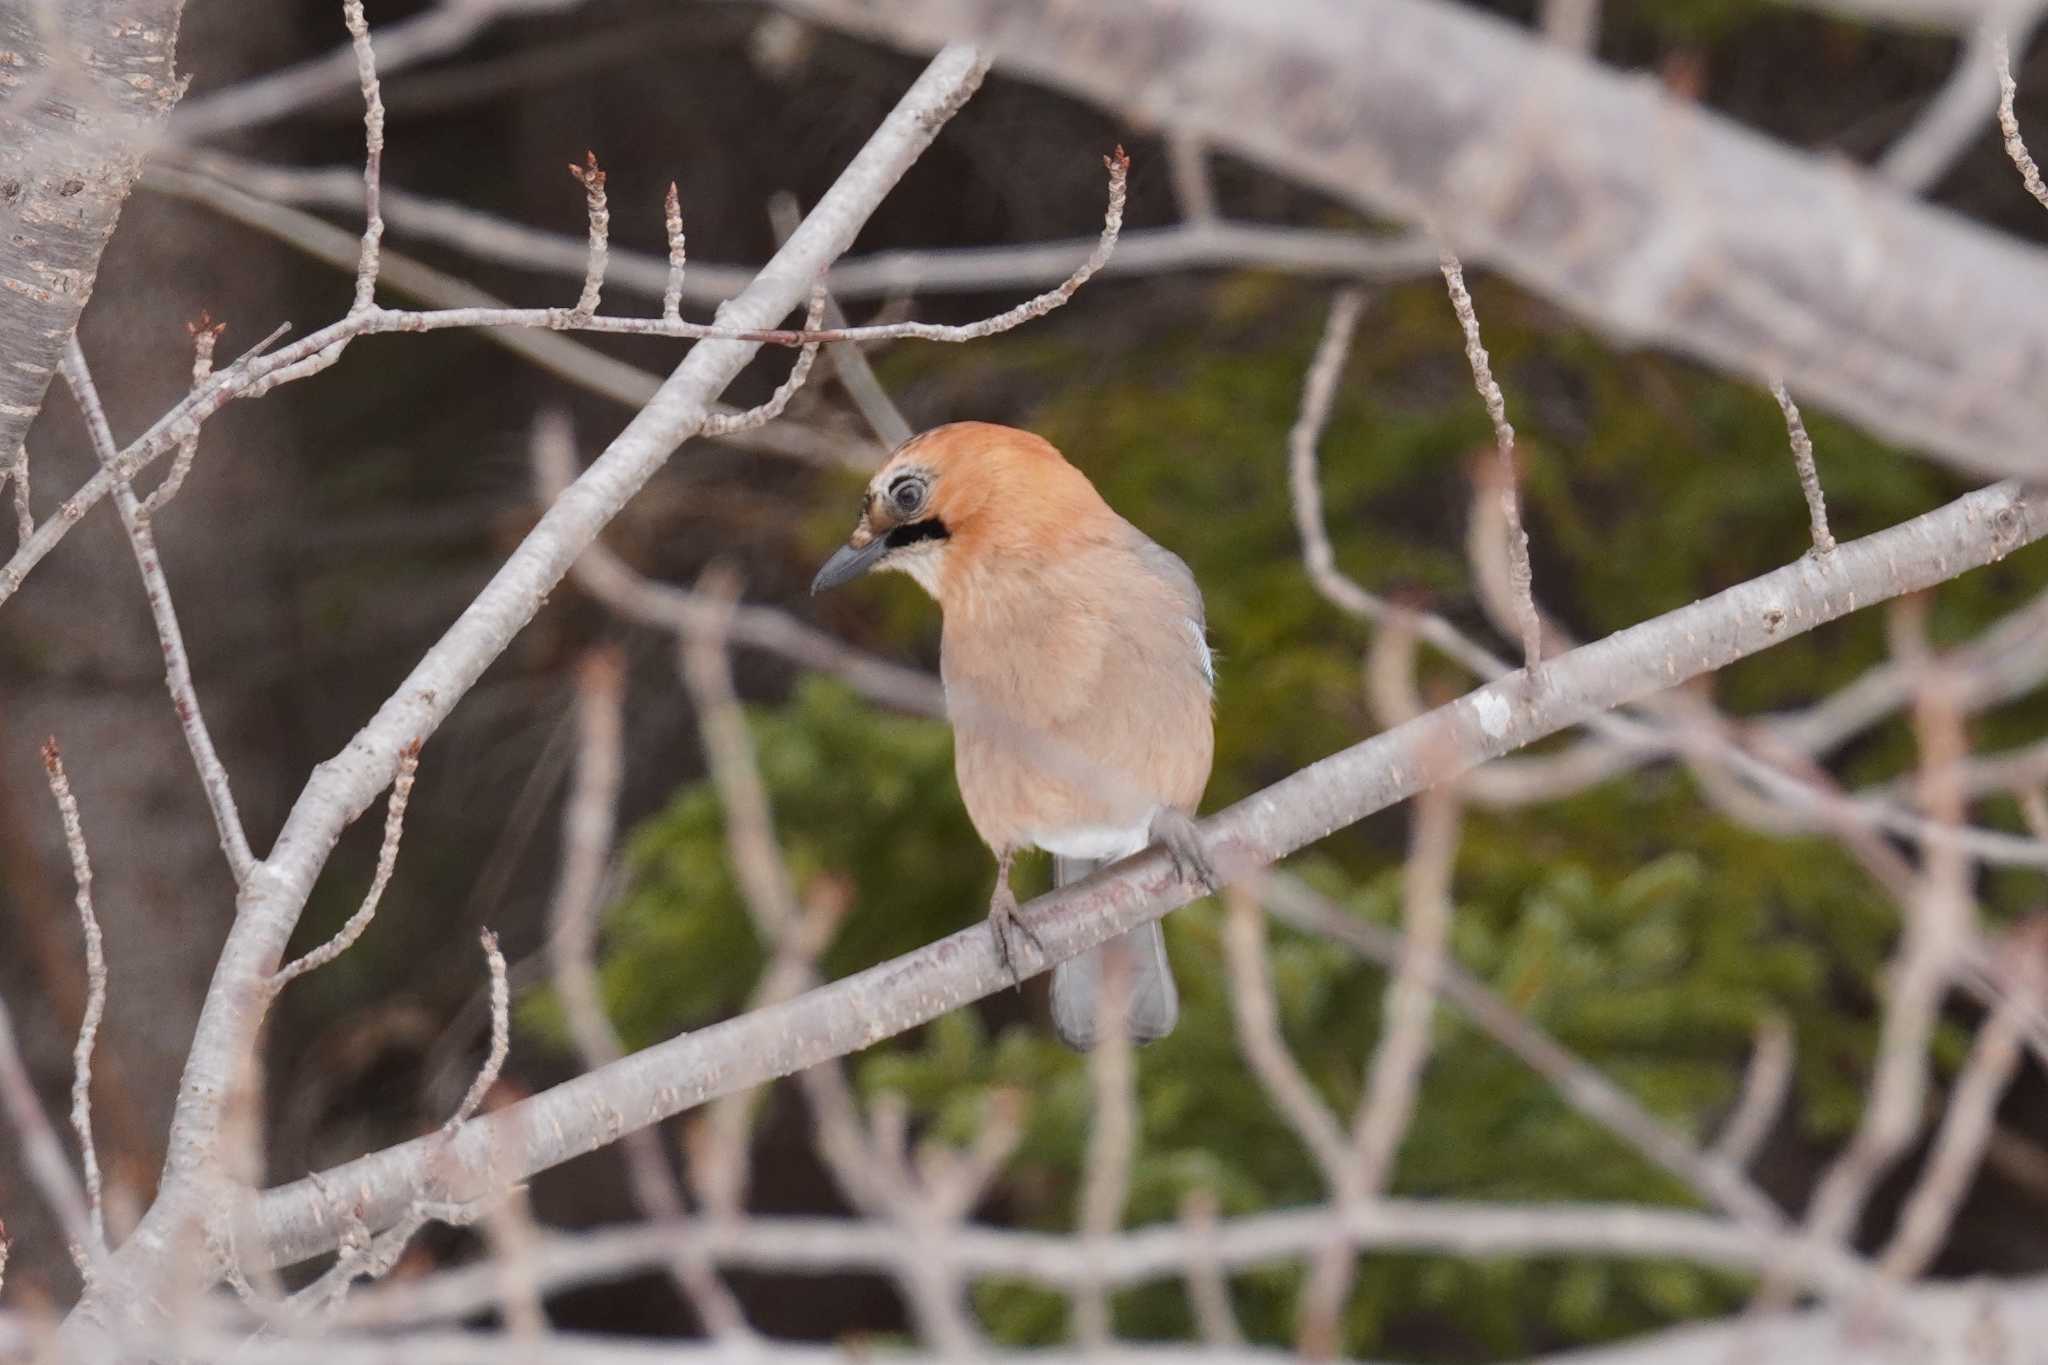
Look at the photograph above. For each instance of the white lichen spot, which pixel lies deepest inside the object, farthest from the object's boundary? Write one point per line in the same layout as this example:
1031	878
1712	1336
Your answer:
1493	714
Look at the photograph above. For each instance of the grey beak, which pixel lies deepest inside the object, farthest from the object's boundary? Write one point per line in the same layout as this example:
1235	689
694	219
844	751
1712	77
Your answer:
848	563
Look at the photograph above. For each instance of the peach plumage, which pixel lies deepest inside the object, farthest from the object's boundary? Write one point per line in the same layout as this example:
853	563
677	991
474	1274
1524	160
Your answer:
1078	678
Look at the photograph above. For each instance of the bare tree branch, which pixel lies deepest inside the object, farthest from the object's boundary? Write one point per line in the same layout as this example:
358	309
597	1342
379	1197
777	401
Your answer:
591	178
555	352
501	1038
205	334
387	860
1161	1251
95	994
861	1009
341	788
1764	1083
1939	920
1112	1137
253	378
135	519
849	362
2009	128
1966	1126
1520	578
1760	259
1956	115
373	157
1585	1089
1809	476
886	274
443	28
589	825
24	512
686	612
678	256
42	1155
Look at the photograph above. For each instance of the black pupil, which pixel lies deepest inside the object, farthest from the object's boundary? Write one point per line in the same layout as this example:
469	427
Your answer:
907	495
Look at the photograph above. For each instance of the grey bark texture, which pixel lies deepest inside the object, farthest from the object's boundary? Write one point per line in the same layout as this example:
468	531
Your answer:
1642	213
84	87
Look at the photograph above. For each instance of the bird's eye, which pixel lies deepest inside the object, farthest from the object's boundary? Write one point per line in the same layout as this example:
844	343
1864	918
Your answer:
907	494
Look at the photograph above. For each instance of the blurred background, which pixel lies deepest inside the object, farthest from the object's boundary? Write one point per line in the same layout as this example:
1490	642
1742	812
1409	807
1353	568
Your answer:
333	530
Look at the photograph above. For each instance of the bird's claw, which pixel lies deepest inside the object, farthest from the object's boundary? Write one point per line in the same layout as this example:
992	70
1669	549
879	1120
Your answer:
1005	919
1176	833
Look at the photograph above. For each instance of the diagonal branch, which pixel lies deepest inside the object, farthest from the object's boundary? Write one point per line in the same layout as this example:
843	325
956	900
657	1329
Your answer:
96	990
343	787
862	1009
213	774
1564	175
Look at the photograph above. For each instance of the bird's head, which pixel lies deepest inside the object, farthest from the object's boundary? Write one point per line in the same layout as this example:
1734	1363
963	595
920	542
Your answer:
957	492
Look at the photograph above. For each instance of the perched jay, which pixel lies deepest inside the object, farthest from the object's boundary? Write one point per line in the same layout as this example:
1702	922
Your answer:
1077	672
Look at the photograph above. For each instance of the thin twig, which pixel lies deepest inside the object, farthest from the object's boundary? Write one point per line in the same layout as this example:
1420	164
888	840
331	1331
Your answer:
589	826
24	513
678	257
1626	742
1257	1014
751	842
310	355
1189	246
725	424
1809	475
95	987
42	1154
1946	127
591	178
1504	444
2009	127
868	1163
178	680
1208	1287
589	829
231	1018
1305	489
439	30
667	606
1112	1134
554	352
373	153
205	334
1157	1252
387	859
849	362
513	1238
1318	393
364	1257
1387	1106
501	1037
1966	1126
1938	923
1595	1097
1765	1082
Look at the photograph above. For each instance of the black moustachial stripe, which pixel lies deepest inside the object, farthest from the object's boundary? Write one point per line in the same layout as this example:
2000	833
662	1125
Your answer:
929	529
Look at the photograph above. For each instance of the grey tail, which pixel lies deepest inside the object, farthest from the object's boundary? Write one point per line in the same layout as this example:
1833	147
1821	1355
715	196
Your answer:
1077	983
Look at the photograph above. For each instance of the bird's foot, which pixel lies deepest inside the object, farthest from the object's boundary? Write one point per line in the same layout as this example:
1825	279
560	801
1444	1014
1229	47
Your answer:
1175	832
1009	926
